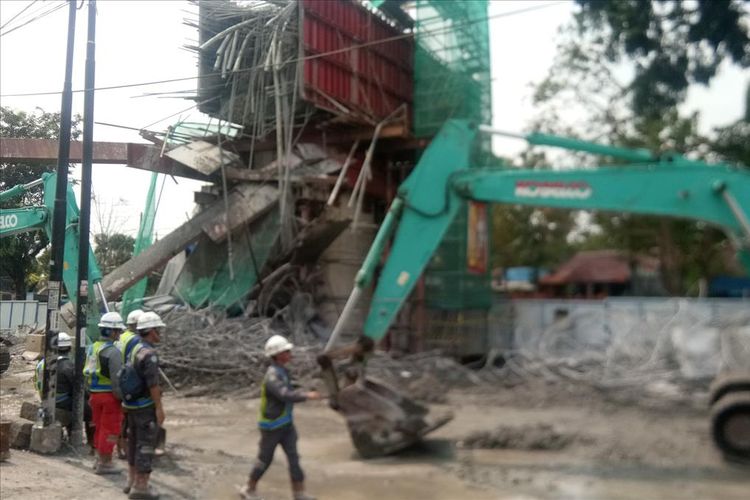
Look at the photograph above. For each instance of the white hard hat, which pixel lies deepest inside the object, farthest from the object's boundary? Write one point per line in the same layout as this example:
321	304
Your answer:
149	320
133	317
111	320
63	340
276	345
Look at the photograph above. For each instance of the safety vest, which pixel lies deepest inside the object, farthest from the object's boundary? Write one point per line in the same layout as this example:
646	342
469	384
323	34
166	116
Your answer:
145	401
97	382
269	424
39	377
127	342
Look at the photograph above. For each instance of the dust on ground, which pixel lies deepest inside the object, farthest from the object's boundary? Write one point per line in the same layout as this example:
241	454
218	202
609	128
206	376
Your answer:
616	446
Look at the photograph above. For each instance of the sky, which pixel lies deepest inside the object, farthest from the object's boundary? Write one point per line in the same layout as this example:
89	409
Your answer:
139	41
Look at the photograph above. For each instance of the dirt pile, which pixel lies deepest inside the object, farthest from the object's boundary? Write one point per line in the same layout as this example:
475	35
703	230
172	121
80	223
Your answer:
526	437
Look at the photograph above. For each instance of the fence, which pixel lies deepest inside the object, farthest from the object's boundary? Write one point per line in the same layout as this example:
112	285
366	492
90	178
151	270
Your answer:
698	336
14	313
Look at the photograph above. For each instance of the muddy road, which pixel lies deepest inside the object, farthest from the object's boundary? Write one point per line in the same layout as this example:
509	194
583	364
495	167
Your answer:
546	442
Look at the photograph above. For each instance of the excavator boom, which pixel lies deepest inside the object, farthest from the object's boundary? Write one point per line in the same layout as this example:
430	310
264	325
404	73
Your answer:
380	420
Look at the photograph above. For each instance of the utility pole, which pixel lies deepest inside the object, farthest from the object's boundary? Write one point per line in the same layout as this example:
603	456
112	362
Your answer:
49	378
84	223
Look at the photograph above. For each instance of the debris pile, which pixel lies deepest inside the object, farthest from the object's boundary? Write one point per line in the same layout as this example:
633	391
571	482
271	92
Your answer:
525	437
206	352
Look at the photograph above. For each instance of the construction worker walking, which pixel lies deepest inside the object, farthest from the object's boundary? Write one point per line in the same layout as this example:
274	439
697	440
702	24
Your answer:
142	401
277	398
103	361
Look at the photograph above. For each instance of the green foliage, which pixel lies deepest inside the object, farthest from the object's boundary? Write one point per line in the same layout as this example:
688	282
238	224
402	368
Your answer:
112	250
18	253
669	45
673	43
523	236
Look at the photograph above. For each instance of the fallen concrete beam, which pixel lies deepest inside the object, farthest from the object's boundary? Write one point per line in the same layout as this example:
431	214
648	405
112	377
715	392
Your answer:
246	203
140	156
46	440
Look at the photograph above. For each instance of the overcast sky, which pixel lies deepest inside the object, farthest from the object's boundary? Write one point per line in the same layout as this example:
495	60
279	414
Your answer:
140	41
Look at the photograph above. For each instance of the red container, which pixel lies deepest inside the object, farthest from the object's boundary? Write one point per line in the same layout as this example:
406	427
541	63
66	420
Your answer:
370	81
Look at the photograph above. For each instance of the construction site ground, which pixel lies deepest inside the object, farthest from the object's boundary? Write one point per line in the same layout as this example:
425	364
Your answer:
570	442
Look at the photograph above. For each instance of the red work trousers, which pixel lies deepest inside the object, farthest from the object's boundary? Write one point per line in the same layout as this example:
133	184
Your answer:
107	417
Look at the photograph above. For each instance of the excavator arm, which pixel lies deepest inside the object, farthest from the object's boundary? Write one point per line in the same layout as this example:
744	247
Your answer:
381	420
17	220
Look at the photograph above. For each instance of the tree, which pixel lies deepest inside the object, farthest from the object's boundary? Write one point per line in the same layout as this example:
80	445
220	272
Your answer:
112	250
624	67
18	252
672	44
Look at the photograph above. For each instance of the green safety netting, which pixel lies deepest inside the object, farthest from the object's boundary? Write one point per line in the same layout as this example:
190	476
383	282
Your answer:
451	63
205	279
133	296
452	80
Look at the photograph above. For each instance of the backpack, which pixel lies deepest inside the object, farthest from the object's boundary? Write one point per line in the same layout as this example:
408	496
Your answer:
132	385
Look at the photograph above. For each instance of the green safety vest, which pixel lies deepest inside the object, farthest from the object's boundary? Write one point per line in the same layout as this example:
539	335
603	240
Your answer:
97	382
269	424
127	342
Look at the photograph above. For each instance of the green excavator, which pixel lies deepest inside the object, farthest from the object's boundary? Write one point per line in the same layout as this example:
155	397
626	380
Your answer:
380	419
39	218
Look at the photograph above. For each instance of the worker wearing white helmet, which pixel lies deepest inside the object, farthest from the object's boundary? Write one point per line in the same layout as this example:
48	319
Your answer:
129	337
277	397
65	375
145	412
102	364
128	340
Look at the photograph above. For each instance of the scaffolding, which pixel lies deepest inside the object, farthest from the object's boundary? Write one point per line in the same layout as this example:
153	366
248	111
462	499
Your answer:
451	64
452	80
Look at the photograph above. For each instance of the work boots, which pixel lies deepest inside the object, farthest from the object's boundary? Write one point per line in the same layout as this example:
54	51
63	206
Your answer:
104	465
298	491
140	488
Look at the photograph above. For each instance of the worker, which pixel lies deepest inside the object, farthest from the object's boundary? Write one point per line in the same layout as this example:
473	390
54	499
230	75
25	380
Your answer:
65	373
277	398
64	397
103	361
145	412
128	339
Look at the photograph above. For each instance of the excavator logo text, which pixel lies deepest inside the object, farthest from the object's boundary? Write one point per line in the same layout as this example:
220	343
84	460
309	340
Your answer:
576	190
8	221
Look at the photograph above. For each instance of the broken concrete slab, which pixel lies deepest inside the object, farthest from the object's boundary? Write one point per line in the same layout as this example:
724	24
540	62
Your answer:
5	440
35	342
31	355
29	411
262	198
20	434
256	203
204	157
46	440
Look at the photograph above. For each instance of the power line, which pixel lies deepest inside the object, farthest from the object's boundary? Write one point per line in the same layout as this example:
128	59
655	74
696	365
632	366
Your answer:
43	14
300	59
18	14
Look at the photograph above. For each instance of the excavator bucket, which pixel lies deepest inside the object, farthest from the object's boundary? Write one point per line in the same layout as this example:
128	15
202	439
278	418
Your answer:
381	420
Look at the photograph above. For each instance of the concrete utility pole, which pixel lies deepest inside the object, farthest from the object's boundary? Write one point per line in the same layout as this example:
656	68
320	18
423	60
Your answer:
49	380
84	229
